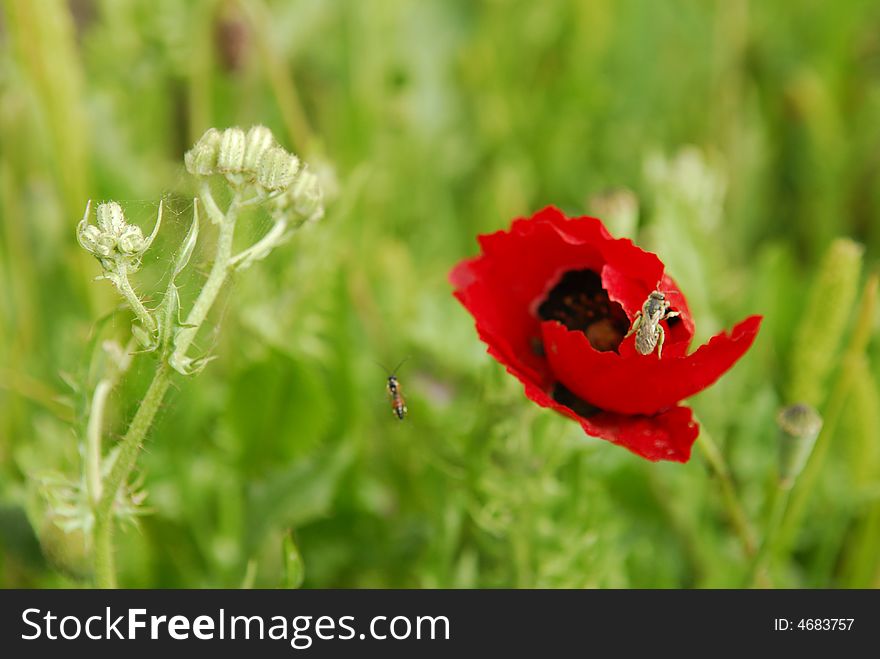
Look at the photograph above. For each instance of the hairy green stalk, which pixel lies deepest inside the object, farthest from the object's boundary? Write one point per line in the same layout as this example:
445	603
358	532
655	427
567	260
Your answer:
104	562
217	277
129	447
821	330
861	560
104	572
124	286
93	440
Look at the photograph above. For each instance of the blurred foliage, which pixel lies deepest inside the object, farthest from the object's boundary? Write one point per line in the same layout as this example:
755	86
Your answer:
747	131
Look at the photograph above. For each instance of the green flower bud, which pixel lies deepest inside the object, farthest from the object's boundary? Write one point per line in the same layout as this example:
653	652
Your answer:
230	156
201	160
307	196
114	241
277	169
259	139
89	237
106	245
131	240
799	426
111	219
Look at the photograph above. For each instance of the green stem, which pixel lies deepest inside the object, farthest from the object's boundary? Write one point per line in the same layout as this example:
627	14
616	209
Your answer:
124	286
104	570
105	565
684	530
728	491
217	216
250	575
216	279
757	575
261	248
122	466
93	440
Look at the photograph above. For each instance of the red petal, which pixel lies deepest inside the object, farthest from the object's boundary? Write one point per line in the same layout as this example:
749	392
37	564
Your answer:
508	329
502	287
666	436
641	384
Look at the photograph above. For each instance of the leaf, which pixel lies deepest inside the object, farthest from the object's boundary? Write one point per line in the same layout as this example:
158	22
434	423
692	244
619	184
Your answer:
280	410
17	537
170	305
189	243
294	568
143	338
296	495
190	366
155	232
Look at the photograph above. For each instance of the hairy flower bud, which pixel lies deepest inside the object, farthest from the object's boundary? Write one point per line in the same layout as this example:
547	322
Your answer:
201	160
114	241
131	240
106	245
307	196
304	198
89	236
110	218
230	156
277	169
259	139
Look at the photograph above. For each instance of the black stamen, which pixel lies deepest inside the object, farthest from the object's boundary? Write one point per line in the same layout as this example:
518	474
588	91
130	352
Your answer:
579	406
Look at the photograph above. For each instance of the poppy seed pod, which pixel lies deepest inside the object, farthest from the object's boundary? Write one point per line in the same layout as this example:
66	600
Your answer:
277	169
201	160
554	298
230	155
799	426
258	140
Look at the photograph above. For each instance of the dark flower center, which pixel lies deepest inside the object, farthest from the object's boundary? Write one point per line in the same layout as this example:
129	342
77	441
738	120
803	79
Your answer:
561	394
580	303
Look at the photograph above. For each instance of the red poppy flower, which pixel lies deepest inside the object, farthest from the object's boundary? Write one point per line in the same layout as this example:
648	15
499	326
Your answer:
553	298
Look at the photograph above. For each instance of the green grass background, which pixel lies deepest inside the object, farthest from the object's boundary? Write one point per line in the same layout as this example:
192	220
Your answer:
748	131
